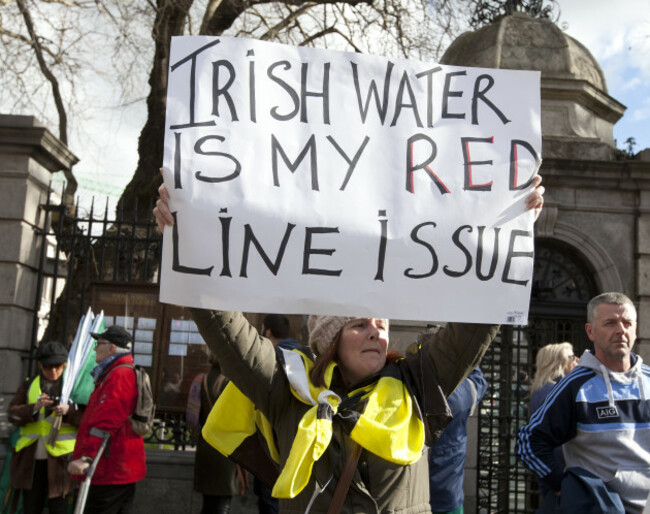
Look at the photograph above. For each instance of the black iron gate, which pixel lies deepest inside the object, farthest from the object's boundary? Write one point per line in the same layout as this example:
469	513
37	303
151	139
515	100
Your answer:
79	249
562	286
86	251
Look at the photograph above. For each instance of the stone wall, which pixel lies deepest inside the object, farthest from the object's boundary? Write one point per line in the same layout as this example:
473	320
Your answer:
602	210
30	154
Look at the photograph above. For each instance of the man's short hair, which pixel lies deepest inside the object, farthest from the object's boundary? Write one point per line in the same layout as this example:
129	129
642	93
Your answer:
611	298
278	324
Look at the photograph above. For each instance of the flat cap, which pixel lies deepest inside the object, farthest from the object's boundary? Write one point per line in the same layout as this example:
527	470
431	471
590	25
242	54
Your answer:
52	353
116	335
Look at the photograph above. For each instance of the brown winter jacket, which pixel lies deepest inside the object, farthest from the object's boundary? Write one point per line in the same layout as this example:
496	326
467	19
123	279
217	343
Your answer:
249	360
22	463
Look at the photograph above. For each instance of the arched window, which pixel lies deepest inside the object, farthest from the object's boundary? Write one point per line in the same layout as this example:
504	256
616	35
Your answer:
561	277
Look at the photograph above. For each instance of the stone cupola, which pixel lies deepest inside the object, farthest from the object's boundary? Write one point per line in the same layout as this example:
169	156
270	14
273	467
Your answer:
578	115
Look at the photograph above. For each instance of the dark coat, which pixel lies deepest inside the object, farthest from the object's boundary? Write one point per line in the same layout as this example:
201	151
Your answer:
582	492
22	463
214	474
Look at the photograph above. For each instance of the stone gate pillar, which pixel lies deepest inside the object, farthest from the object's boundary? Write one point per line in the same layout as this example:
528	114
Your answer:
640	168
29	155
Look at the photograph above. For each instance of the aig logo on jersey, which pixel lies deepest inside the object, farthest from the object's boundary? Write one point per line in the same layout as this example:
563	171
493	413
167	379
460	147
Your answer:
607	412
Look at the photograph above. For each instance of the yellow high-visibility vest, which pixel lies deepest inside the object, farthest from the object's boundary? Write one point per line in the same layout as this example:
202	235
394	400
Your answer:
30	432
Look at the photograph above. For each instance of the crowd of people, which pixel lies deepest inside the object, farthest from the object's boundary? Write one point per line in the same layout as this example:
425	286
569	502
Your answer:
59	442
44	471
328	406
344	423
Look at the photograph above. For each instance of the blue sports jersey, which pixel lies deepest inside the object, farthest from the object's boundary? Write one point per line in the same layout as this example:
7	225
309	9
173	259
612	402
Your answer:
602	421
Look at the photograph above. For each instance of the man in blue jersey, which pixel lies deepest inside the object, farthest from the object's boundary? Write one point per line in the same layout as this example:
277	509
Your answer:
600	412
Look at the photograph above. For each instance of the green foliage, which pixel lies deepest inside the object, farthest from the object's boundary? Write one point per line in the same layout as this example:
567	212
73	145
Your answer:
487	11
627	152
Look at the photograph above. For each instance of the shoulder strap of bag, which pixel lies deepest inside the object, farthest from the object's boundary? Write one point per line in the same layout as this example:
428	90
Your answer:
345	480
113	369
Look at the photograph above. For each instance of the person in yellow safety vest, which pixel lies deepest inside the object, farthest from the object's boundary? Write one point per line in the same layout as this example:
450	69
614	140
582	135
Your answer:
47	435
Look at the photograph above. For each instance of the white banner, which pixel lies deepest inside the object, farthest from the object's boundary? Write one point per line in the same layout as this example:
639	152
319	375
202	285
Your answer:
314	181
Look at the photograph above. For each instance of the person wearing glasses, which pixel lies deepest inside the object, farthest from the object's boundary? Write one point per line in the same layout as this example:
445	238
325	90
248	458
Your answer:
123	462
43	450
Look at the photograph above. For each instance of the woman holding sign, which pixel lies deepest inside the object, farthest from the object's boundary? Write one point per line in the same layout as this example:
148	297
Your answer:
347	423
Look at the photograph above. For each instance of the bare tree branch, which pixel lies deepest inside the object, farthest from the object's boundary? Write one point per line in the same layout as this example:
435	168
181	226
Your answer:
26	40
318	35
286	22
71	186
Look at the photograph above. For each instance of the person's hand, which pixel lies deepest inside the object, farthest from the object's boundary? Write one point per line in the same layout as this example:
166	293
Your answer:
161	211
61	409
242	480
42	401
78	467
535	200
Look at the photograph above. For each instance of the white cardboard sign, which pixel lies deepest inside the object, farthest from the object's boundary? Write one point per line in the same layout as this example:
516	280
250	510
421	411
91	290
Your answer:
305	180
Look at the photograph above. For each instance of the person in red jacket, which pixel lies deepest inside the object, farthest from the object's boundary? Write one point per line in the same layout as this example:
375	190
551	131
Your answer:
123	463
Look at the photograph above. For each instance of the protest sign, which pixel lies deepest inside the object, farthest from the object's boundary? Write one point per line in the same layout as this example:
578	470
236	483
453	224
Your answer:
305	180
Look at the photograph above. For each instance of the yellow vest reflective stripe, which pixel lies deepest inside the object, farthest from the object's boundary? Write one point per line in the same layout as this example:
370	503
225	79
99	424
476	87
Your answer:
30	432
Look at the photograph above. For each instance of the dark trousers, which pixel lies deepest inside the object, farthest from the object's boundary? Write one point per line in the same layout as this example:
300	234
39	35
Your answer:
266	504
213	504
34	498
110	499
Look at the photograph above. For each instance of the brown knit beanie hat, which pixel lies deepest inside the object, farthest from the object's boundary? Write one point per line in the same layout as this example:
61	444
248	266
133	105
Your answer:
323	330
